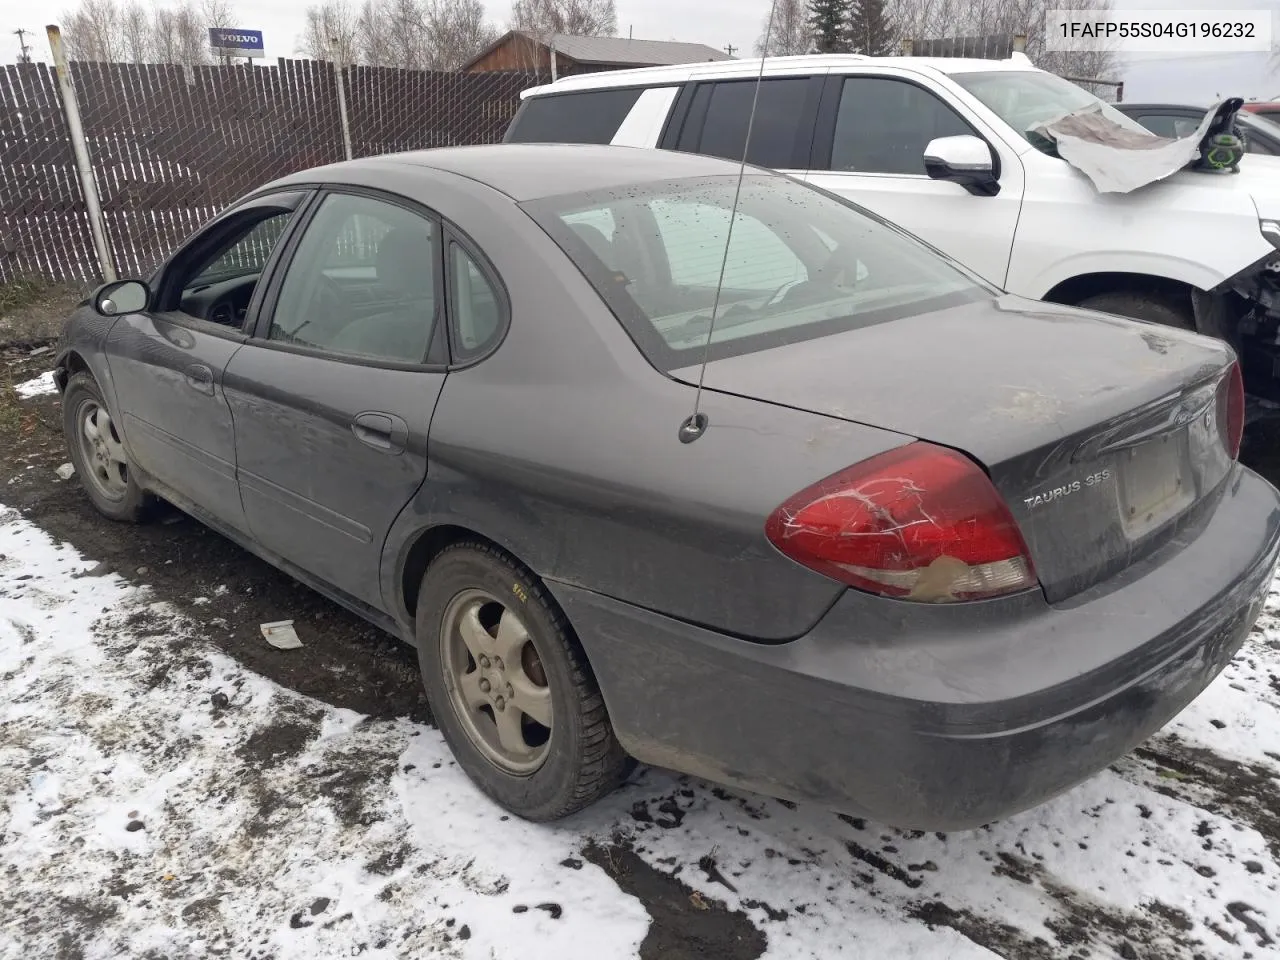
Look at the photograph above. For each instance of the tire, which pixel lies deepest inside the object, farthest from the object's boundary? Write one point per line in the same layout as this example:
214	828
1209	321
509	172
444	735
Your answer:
579	760
1152	307
103	467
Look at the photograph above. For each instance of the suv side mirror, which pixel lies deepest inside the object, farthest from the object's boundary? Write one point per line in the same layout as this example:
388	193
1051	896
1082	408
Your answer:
122	296
965	160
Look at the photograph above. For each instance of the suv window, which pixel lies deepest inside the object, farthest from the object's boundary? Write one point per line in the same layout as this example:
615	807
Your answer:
727	108
884	125
593	116
362	282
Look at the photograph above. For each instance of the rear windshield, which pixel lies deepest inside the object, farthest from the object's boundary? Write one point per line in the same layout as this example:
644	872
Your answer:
801	264
592	116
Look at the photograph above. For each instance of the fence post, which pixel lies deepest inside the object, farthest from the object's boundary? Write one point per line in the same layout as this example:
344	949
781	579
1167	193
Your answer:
342	97
1120	92
80	147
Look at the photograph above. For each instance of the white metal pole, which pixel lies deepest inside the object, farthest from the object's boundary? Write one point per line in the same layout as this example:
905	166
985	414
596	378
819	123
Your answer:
335	49
80	146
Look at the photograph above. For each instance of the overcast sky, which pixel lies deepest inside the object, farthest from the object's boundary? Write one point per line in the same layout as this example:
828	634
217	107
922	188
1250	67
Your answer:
720	23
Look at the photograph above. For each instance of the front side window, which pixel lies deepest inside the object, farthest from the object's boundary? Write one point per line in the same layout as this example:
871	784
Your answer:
217	283
362	282
1027	99
778	116
246	255
801	264
883	126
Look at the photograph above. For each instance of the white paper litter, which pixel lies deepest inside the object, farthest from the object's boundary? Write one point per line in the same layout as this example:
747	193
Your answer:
281	635
66	471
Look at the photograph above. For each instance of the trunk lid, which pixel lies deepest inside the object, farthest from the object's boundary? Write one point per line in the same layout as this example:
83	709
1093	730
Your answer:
1102	434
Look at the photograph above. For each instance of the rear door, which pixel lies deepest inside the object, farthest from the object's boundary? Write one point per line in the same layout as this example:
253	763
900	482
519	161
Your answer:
869	147
333	396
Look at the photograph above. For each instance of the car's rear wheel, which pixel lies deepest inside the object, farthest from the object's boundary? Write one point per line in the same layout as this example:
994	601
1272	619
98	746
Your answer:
1153	307
510	687
98	454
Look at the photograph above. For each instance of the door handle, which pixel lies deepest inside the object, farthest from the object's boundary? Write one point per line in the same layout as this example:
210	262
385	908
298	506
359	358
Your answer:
381	431
200	378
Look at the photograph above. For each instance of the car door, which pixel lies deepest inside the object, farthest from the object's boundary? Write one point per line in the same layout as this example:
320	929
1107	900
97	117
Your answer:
167	363
333	395
869	147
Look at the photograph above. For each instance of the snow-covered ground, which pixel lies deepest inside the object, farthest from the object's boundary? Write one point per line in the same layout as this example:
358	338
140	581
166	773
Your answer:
157	800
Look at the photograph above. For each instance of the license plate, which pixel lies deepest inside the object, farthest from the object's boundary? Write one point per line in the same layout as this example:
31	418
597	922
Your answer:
1154	483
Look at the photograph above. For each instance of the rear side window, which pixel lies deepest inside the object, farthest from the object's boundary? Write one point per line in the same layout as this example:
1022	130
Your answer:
592	116
727	108
884	125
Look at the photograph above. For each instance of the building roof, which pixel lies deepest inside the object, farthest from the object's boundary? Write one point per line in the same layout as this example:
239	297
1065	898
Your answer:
621	50
640	52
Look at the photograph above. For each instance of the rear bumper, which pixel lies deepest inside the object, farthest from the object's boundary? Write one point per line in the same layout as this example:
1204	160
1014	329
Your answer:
938	717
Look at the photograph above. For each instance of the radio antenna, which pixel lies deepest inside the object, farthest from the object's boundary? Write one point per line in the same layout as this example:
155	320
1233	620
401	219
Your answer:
696	425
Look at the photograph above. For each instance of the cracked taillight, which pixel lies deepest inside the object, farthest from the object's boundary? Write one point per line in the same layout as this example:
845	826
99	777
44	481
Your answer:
919	522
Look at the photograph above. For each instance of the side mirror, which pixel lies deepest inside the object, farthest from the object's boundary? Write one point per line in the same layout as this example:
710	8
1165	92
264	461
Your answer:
122	296
965	160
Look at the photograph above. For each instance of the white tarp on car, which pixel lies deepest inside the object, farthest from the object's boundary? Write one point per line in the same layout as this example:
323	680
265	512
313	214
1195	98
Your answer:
1118	159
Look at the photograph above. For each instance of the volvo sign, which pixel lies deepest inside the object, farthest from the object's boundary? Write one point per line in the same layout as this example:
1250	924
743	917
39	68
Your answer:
234	42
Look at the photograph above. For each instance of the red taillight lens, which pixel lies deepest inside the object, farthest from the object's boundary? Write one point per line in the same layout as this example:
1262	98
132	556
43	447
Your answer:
919	522
1231	409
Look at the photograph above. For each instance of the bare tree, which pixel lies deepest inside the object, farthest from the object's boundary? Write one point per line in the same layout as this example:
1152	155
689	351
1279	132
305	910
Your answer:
941	19
323	26
92	31
578	18
135	33
791	33
102	30
456	32
371	36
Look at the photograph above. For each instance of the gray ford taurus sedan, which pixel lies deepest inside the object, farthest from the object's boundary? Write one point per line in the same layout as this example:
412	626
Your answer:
935	553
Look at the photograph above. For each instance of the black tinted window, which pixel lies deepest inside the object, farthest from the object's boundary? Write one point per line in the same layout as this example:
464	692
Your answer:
773	137
590	117
884	125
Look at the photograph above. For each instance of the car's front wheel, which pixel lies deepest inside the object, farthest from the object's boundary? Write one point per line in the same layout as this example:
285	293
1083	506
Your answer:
99	456
511	689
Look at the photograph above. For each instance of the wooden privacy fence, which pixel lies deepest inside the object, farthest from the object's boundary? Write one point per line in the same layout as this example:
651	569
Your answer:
170	146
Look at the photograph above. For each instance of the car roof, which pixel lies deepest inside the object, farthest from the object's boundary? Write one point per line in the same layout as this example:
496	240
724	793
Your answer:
682	73
526	171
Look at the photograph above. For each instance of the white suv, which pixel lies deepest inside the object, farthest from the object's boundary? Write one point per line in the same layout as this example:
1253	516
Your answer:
938	146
